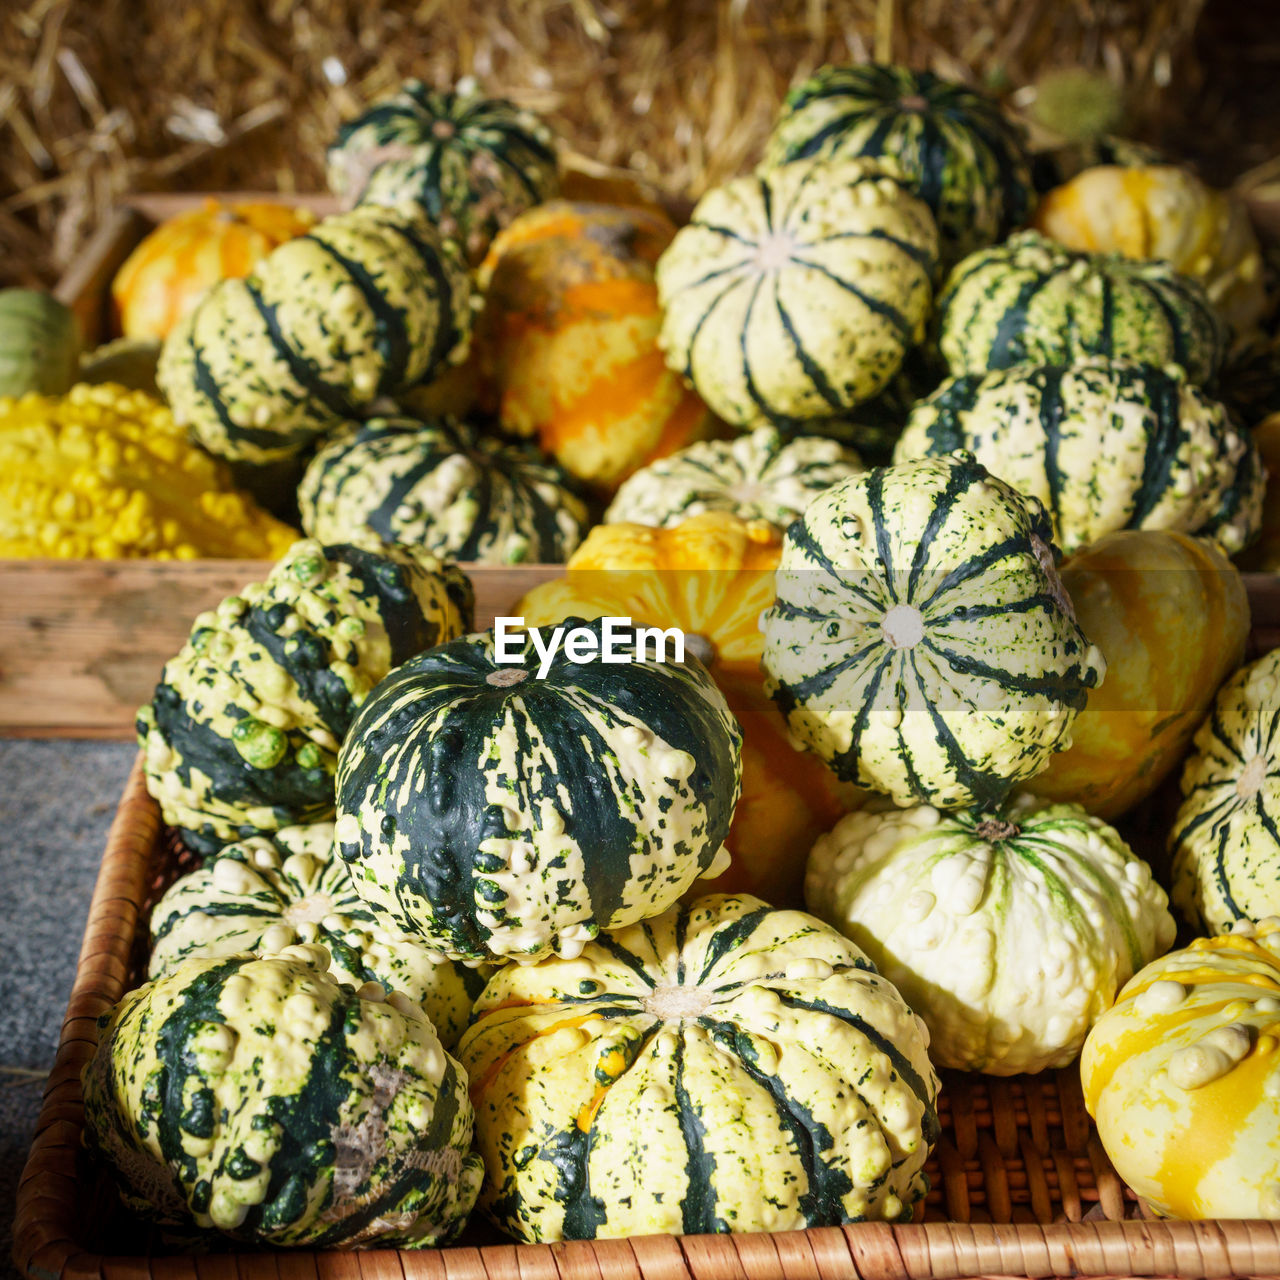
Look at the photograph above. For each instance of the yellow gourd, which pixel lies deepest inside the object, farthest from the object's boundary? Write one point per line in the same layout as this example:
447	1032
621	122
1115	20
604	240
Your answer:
105	472
712	576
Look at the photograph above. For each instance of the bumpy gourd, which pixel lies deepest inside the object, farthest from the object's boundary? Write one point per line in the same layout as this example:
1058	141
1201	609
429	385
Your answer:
1171	616
712	577
1225	841
473	163
921	641
39	344
444	486
1104	444
366	304
1182	1078
758	476
724	1067
954	146
796	294
263	1098
263	895
1032	301
243	732
503	814
105	472
1008	932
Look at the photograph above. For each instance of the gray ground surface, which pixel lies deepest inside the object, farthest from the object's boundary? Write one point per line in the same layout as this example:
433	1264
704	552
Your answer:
56	803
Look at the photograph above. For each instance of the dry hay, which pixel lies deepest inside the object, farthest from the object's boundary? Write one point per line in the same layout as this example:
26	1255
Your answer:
101	97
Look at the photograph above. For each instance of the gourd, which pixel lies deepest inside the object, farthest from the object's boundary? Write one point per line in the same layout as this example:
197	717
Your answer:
39	344
1171	616
1226	852
1104	444
178	262
263	895
1009	932
921	641
105	472
568	340
712	576
1179	1077
509	809
263	1098
128	362
444	486
758	476
365	304
724	1067
1162	211
242	734
473	163
1032	301
796	295
1264	555
954	145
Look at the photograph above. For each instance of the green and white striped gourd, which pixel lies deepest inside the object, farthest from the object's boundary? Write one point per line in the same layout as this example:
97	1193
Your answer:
1032	301
796	294
1225	840
444	486
758	476
242	734
1104	444
958	151
263	1098
473	163
263	895
723	1067
502	814
921	641
365	304
1008	932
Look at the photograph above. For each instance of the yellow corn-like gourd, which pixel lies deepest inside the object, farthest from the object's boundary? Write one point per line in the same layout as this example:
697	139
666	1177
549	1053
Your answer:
106	473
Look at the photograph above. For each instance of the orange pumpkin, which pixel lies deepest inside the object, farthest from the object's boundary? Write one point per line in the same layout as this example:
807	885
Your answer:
712	576
173	266
568	339
1171	616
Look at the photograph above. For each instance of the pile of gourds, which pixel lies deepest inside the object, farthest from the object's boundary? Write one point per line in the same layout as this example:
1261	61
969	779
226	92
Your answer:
485	919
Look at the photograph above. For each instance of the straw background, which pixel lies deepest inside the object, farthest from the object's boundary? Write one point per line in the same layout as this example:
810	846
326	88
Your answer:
102	97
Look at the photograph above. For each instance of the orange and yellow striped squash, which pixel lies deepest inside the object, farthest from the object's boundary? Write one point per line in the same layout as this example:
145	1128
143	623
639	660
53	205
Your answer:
568	339
712	576
177	263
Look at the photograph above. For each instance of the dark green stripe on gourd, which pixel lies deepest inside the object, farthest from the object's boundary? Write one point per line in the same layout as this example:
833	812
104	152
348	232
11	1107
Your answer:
445	486
593	794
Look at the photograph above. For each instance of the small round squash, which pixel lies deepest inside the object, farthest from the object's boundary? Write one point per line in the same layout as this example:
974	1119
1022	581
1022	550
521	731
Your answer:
1181	1078
263	1098
724	1067
39	344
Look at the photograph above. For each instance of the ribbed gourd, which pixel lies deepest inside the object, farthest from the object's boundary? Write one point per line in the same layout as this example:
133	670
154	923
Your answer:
796	294
1104	445
1181	1074
921	641
1032	301
1225	841
761	475
106	473
446	486
1171	616
242	734
364	305
263	895
1009	932
507	806
473	163
263	1098
724	1067
964	158
39	344
712	577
